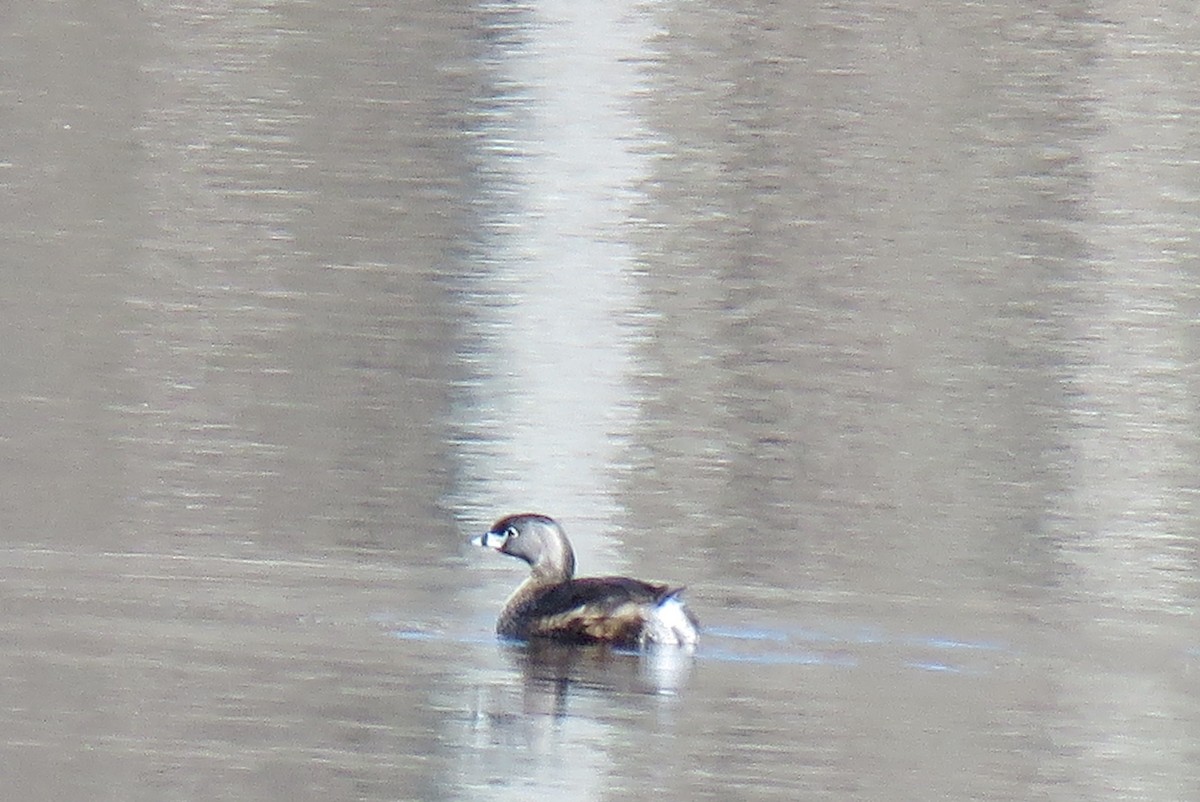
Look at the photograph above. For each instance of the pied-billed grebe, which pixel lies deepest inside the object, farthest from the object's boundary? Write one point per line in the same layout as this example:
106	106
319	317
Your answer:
551	603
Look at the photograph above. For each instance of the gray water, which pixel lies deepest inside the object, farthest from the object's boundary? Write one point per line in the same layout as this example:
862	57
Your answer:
877	328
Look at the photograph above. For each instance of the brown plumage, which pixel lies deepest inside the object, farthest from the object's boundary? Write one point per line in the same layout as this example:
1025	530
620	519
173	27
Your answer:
551	603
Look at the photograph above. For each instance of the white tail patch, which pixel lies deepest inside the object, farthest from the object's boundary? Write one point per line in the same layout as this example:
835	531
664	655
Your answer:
669	623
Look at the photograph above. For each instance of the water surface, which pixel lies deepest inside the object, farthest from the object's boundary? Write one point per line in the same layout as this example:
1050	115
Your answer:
876	328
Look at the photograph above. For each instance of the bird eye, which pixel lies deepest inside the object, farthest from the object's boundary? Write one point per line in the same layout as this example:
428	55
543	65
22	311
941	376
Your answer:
511	533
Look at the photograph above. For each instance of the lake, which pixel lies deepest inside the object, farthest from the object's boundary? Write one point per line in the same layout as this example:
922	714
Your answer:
876	327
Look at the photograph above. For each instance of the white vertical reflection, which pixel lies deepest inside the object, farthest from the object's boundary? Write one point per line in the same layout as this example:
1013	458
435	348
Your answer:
1137	422
551	400
551	397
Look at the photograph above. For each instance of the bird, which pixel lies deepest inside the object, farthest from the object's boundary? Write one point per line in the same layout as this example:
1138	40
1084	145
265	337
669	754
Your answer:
552	604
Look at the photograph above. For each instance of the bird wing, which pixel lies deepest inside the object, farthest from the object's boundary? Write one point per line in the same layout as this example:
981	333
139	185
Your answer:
595	609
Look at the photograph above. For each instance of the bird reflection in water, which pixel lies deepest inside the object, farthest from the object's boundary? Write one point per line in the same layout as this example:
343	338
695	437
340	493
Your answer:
553	671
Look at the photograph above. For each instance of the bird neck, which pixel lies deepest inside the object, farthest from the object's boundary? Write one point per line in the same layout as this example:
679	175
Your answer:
555	564
553	568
